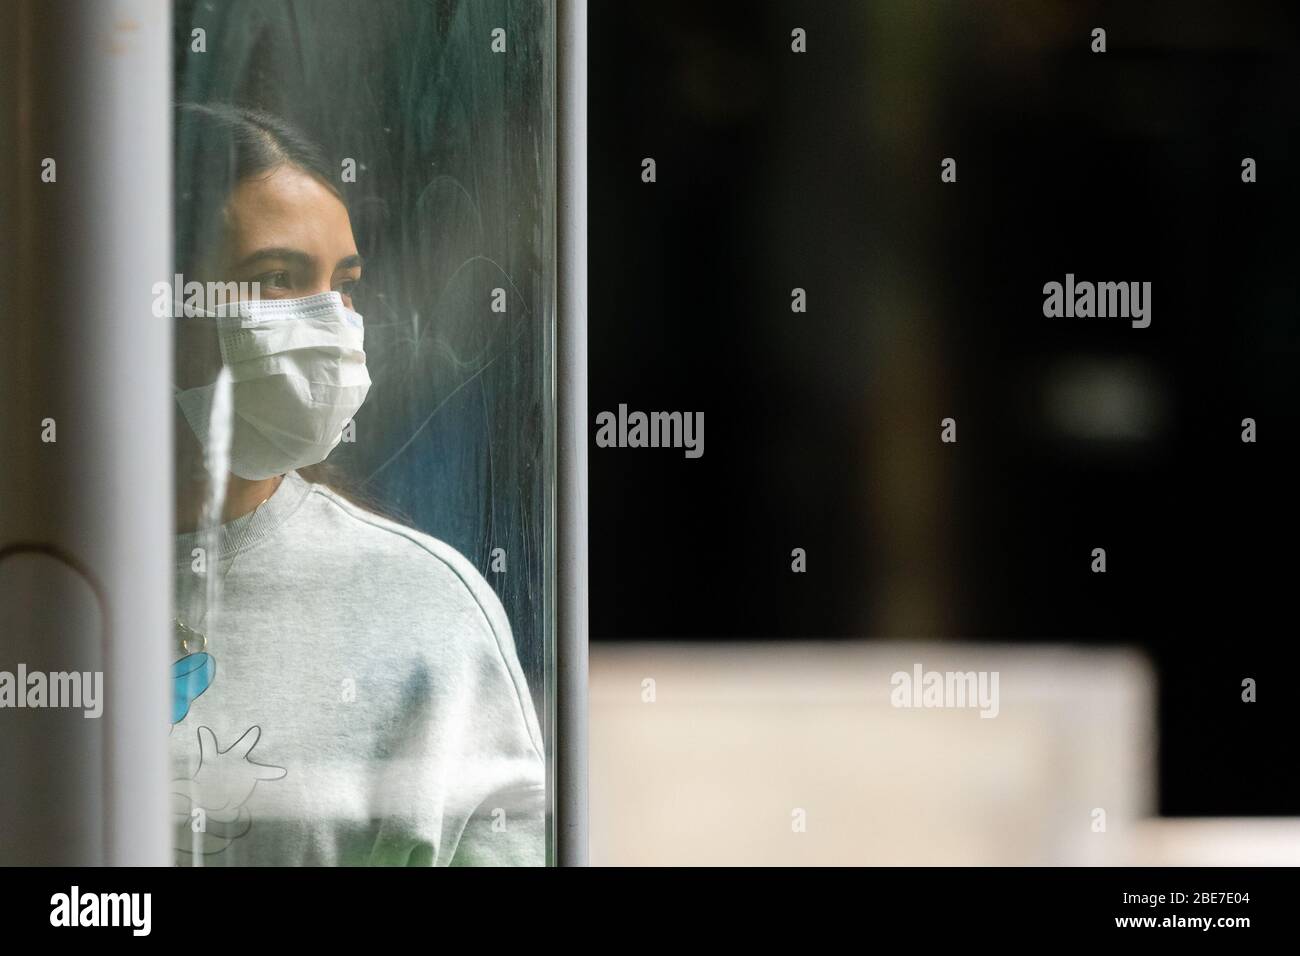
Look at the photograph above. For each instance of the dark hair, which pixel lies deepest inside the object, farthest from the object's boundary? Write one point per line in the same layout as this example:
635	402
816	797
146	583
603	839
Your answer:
218	146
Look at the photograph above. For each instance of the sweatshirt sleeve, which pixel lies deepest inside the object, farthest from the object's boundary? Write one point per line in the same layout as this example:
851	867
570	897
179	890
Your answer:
465	776
507	827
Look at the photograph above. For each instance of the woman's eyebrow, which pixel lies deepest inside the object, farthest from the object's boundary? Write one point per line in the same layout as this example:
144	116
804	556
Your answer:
353	261
296	256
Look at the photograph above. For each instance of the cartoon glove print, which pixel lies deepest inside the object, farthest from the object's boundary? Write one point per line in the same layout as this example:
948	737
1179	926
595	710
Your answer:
220	787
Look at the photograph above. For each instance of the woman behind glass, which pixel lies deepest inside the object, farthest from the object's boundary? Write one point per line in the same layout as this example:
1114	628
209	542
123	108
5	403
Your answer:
346	689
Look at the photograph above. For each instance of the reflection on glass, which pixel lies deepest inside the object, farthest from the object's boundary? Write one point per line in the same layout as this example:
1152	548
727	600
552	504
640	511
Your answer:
348	687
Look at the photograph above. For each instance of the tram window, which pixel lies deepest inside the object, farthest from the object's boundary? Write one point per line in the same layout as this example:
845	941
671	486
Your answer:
362	305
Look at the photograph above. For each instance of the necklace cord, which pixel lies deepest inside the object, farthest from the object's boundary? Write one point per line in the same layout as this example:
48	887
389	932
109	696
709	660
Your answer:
185	630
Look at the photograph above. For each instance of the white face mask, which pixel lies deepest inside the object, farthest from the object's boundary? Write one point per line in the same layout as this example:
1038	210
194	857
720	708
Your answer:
298	375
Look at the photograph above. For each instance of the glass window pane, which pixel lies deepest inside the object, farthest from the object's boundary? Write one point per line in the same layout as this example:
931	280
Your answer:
363	310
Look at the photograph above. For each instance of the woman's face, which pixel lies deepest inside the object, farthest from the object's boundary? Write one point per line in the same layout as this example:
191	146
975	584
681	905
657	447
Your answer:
286	231
289	233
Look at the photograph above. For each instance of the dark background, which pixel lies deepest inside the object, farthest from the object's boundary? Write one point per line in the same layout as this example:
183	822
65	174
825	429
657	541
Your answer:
821	171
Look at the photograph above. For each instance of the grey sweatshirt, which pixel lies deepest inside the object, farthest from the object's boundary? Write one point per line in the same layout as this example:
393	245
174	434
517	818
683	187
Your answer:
359	699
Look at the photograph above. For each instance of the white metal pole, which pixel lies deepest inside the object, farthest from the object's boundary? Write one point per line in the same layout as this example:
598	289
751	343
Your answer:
85	424
571	401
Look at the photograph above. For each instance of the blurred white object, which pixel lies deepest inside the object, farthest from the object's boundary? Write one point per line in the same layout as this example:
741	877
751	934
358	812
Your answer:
1220	841
740	738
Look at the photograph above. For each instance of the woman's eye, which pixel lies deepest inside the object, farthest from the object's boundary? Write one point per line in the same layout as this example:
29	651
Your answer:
278	280
347	288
